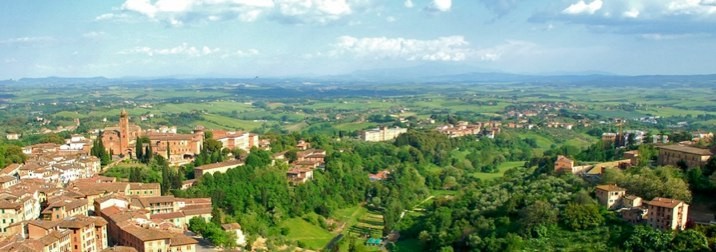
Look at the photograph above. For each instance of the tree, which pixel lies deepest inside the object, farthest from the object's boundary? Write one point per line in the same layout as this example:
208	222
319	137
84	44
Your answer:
539	213
582	216
644	238
138	149
100	152
689	240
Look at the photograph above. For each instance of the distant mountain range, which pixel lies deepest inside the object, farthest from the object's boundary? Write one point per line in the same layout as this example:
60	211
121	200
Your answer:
435	73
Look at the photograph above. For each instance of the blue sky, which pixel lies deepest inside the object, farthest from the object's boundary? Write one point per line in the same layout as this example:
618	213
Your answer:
117	38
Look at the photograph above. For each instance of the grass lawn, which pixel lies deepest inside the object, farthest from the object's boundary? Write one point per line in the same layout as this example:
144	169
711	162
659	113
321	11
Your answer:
314	237
500	170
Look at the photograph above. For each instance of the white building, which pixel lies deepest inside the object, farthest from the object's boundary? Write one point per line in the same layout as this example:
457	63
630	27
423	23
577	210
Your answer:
382	134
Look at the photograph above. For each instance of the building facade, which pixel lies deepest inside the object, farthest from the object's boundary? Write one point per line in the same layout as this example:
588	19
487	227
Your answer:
667	214
610	196
382	134
676	153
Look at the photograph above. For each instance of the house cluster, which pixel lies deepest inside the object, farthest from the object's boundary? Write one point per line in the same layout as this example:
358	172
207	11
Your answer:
381	134
307	160
462	128
557	124
660	213
91	214
175	147
537	108
53	164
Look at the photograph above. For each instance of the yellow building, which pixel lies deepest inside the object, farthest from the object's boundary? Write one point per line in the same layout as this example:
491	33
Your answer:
675	153
667	214
610	196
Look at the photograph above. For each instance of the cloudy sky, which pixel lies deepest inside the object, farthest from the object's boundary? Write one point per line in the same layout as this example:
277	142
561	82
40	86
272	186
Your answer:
117	38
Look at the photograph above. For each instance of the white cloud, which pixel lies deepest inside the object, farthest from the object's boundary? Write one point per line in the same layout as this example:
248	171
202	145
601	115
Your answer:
409	4
183	50
28	40
582	7
440	6
452	48
241	53
510	47
638	17
320	11
390	19
633	13
178	12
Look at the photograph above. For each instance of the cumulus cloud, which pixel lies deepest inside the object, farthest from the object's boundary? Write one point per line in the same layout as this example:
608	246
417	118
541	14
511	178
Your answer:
241	53
637	16
179	12
440	6
450	48
182	50
408	4
582	7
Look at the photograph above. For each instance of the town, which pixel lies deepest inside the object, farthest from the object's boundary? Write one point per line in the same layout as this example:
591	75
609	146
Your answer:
58	197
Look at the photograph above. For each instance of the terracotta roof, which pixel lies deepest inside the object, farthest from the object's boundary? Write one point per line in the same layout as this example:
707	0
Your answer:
231	226
75	222
180	240
53	237
687	149
563	158
7	178
47	225
146	234
10	168
68	203
120	249
234	162
145	202
164	216
6	204
198	211
144	186
664	202
170	137
610	188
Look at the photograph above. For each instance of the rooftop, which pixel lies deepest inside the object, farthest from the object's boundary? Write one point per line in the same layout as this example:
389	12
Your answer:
234	162
687	149
664	202
610	188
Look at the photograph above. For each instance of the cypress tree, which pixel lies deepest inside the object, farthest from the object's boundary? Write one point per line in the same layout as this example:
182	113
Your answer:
169	153
138	149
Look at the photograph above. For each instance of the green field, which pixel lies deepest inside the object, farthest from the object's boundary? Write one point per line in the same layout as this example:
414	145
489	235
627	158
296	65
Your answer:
501	169
312	236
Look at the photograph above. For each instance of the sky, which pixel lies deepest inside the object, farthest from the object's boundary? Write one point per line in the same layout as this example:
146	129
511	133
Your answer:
282	38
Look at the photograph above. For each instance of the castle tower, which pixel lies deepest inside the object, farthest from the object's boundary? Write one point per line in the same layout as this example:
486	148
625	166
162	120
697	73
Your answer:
123	131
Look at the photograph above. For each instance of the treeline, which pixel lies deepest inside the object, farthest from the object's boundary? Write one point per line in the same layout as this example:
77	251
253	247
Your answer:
11	154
